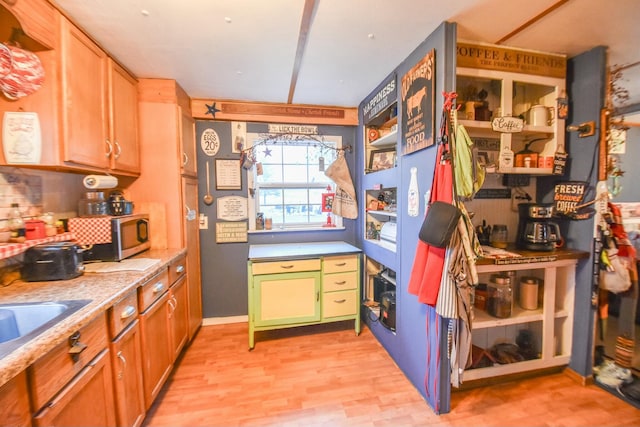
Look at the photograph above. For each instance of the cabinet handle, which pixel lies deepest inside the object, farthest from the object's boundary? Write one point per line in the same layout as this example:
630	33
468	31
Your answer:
185	159
173	307
128	312
340	283
339	301
108	153
340	264
124	365
286	267
159	287
318	296
180	269
118	150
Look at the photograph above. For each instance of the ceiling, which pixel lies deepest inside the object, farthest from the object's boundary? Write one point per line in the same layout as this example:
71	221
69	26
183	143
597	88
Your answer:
335	52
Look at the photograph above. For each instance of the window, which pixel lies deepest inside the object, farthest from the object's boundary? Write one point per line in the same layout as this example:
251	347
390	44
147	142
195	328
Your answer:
287	181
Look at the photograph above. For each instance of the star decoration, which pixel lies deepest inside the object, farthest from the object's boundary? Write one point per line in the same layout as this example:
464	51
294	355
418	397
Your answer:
211	109
267	152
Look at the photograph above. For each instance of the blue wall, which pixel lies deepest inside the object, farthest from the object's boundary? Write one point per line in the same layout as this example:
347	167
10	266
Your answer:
585	87
224	265
410	345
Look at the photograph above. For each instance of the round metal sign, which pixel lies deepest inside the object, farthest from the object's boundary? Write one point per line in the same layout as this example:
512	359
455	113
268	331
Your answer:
210	142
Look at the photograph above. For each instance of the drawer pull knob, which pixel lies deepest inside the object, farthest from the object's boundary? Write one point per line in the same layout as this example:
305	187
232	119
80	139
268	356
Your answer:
76	347
287	266
128	312
339	301
159	287
180	269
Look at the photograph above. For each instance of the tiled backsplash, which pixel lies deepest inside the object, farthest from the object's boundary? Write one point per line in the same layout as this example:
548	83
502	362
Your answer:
22	188
39	191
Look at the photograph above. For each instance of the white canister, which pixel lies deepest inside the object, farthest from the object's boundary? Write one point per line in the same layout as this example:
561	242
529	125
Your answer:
539	115
528	293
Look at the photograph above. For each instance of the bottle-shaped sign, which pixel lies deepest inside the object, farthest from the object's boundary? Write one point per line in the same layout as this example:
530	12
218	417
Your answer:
414	195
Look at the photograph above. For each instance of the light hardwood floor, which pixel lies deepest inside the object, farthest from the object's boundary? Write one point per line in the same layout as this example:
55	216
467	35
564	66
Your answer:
327	376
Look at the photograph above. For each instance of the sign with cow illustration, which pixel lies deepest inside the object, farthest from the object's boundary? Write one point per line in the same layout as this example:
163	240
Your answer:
417	88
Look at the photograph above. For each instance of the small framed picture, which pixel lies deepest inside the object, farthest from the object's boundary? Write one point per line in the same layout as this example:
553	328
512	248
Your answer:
382	159
327	201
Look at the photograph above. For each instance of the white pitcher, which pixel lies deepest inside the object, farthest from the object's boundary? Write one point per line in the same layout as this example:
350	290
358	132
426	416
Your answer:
540	115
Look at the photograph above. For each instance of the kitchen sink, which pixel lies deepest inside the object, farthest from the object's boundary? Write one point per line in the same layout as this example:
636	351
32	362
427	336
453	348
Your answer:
21	322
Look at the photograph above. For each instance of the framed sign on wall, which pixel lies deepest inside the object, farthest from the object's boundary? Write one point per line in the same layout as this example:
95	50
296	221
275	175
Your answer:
417	96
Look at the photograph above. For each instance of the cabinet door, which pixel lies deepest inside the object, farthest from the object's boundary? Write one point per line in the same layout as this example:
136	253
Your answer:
192	243
178	316
37	18
188	143
14	401
86	400
126	360
84	108
123	110
156	348
282	299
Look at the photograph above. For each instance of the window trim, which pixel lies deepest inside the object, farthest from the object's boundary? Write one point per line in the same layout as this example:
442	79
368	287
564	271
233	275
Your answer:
253	199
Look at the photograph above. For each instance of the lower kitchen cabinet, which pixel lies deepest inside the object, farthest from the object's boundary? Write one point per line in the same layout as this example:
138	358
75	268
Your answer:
87	400
14	401
286	298
126	359
156	347
178	316
543	330
79	362
320	285
164	325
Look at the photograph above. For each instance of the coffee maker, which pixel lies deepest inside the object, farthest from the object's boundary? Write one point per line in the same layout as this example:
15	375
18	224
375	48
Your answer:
536	231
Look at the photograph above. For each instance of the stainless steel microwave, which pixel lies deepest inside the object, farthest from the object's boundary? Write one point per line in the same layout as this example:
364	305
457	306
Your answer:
129	236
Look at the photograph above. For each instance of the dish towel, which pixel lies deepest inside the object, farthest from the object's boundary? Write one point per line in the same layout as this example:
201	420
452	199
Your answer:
344	202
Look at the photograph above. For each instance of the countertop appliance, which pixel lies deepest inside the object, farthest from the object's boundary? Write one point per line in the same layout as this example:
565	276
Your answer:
52	261
129	236
388	310
536	230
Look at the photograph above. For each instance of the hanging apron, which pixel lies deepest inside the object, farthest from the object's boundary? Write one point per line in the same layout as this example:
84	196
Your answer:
428	263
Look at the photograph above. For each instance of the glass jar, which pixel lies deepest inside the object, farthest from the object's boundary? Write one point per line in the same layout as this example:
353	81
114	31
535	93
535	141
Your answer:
93	204
499	236
499	296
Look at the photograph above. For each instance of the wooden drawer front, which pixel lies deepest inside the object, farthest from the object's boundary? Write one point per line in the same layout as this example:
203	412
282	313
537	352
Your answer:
152	290
177	269
86	400
337	264
340	281
53	370
342	303
285	266
123	313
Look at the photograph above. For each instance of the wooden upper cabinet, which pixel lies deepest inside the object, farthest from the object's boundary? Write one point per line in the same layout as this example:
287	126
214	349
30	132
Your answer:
37	18
87	106
84	108
187	143
123	120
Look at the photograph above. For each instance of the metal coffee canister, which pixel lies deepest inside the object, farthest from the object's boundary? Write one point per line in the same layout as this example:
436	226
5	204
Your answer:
528	292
